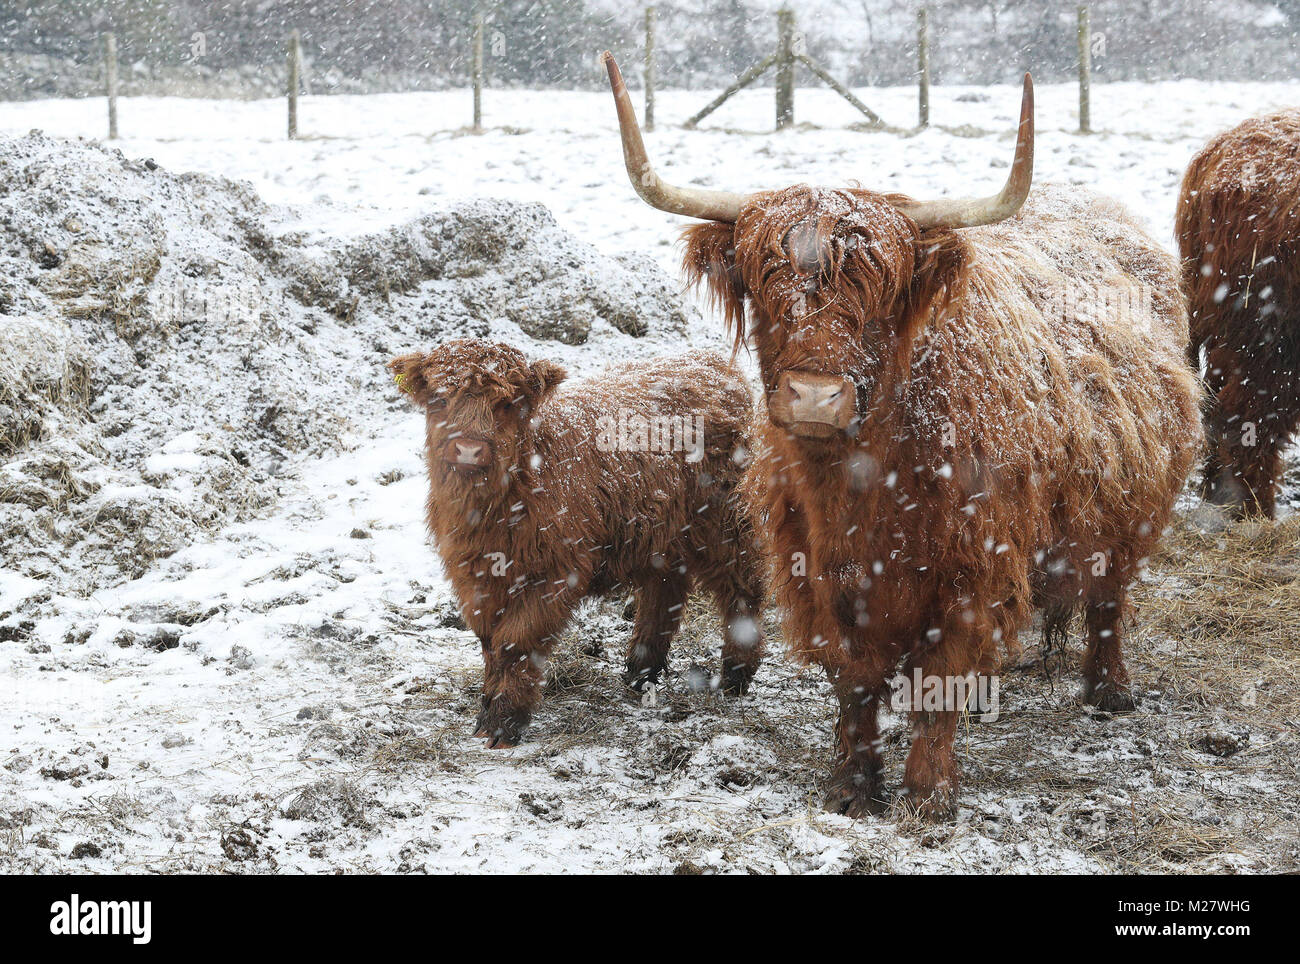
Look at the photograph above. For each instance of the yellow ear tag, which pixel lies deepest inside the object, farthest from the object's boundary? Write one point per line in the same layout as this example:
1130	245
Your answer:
400	378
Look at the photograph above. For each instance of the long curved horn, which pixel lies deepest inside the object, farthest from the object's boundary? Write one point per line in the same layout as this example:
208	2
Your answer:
692	202
972	212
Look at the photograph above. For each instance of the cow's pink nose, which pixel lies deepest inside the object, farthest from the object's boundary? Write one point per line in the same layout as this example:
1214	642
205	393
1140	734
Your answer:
468	452
812	405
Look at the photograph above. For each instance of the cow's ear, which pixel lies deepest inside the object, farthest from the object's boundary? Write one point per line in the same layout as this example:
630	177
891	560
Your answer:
543	377
408	373
709	259
941	259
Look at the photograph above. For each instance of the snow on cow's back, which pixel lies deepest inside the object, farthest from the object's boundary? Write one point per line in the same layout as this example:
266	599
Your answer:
1257	157
1088	263
1063	345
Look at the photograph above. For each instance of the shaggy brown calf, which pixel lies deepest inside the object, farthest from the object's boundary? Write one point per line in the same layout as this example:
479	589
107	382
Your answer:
1238	228
964	422
541	497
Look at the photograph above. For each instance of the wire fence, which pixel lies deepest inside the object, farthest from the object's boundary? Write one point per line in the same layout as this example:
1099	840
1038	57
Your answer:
791	52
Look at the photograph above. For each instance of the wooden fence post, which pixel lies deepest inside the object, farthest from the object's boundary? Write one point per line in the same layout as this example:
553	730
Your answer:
923	66
295	79
1085	71
784	68
789	49
110	82
649	68
477	68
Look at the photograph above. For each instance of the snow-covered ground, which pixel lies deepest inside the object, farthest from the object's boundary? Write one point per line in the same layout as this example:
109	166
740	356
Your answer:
316	714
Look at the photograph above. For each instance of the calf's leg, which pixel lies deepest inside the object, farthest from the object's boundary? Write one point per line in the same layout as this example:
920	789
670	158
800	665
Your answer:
1246	429
742	639
738	591
514	668
660	600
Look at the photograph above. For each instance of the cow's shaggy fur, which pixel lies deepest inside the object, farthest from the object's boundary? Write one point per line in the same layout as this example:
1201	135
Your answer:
573	499
1025	418
1238	228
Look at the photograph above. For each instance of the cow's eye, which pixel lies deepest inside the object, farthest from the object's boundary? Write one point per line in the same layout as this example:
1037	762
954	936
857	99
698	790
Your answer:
437	403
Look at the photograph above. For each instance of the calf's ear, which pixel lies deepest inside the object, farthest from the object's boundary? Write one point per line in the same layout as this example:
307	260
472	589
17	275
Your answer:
408	373
543	377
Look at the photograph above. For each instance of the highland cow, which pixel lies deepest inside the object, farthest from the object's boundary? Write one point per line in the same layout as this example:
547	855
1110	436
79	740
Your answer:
541	496
1238	228
974	408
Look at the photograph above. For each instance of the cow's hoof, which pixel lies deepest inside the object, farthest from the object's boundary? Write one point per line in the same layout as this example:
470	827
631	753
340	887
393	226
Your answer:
855	794
934	806
501	728
736	679
1110	699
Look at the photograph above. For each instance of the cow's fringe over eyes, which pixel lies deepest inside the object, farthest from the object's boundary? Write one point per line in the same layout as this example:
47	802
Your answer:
878	267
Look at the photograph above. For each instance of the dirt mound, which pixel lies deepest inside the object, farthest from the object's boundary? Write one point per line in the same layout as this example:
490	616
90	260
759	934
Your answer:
172	346
486	265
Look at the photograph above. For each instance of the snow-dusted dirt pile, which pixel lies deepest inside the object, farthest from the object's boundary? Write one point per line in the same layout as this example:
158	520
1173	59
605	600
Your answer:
224	641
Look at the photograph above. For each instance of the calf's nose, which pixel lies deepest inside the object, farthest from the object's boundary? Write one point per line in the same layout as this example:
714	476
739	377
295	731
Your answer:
466	451
813	405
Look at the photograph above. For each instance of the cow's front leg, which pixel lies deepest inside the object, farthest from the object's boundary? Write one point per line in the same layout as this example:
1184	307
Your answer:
856	788
491	683
947	675
930	779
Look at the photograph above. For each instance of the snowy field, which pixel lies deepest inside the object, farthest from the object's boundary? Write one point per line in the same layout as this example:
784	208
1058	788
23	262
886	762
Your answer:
317	714
385	156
